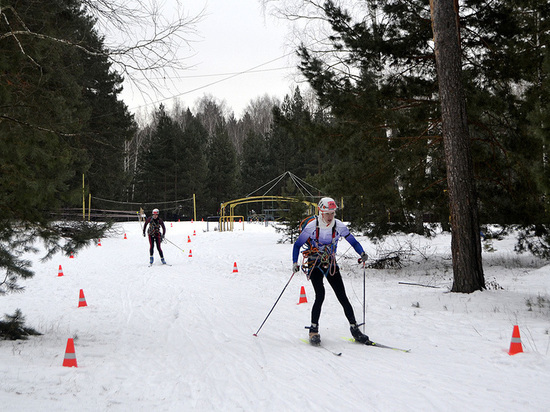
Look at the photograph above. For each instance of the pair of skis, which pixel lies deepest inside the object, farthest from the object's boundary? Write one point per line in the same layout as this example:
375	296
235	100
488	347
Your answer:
164	264
318	345
369	343
379	345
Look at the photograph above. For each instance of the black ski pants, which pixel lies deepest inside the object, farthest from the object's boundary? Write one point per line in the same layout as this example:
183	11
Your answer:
155	239
335	281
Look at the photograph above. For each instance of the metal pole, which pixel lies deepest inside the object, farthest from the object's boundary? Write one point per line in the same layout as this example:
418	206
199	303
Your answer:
194	209
83	200
364	295
256	334
165	238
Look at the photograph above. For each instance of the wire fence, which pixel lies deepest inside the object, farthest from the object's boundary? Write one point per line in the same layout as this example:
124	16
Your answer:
100	209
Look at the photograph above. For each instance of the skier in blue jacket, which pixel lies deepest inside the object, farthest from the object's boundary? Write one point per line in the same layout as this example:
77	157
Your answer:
323	234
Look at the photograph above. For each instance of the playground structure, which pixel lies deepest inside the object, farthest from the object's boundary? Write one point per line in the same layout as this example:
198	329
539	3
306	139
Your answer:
227	219
176	209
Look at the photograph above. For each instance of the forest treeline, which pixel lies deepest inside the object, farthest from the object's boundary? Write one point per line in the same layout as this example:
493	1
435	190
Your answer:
371	135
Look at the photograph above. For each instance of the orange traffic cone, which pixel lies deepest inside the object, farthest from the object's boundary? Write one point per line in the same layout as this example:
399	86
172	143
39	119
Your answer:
188	239
82	300
125	236
303	298
515	345
194	233
171	225
190	253
60	271
70	356
235	270
99	242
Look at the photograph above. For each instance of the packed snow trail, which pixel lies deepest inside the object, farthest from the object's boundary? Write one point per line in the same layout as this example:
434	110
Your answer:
180	337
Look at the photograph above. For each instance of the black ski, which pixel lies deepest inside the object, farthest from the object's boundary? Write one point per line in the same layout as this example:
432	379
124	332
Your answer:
321	346
379	345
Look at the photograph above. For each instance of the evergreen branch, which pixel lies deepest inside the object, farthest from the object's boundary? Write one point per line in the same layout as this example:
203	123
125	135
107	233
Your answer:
13	328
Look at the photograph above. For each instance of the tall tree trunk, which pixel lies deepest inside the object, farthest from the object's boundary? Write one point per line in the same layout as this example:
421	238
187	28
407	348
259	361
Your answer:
466	242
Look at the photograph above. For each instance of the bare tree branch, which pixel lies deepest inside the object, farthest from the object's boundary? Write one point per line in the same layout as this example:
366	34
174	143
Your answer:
141	43
144	45
33	126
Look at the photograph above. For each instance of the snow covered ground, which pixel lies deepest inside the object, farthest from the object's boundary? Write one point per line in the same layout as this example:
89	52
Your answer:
180	337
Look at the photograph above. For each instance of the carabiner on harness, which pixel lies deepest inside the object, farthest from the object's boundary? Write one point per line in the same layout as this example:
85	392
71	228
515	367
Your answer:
324	260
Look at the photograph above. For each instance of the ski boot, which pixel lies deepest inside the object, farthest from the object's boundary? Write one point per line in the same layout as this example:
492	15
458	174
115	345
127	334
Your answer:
163	261
151	260
314	337
358	335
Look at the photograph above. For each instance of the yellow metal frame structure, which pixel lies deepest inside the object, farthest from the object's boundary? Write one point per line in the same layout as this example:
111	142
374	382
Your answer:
227	220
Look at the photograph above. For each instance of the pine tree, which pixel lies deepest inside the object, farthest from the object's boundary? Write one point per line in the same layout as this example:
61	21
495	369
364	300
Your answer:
43	117
297	212
465	244
255	164
161	164
500	58
108	131
195	164
222	170
384	138
292	143
13	327
382	89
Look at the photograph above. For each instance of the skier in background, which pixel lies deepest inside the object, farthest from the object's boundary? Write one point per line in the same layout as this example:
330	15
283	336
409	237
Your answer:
155	224
323	233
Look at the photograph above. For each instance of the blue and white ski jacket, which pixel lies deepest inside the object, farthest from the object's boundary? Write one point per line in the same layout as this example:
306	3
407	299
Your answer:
326	240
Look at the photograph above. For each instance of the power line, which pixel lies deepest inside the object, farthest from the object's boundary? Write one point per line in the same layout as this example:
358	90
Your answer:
230	76
141	203
219	74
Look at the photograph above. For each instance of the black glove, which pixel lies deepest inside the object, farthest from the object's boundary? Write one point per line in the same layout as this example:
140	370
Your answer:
363	258
143	234
162	239
295	267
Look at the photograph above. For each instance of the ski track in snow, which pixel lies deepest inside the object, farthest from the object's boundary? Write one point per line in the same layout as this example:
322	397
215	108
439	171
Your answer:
180	337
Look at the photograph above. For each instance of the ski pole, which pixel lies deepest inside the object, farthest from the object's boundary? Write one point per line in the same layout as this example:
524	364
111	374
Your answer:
291	276
364	293
168	240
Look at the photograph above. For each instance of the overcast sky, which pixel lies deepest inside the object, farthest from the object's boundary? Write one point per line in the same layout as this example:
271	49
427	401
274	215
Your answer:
233	37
